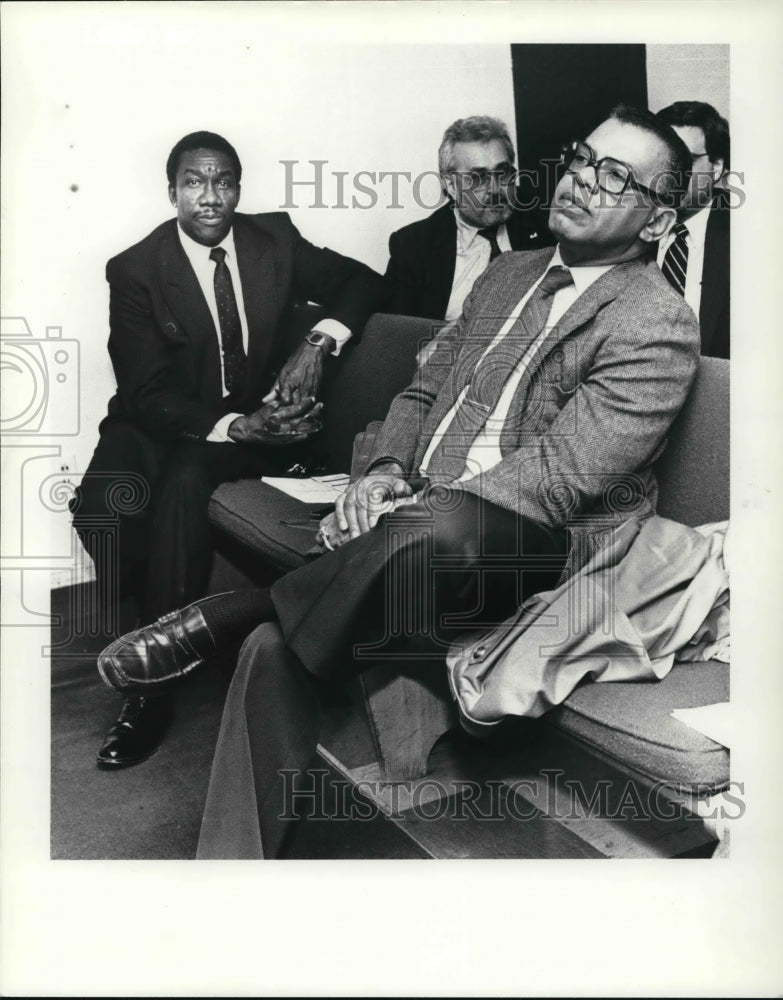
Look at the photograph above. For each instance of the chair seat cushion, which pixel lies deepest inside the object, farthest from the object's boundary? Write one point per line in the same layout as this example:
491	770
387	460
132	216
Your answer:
631	724
253	514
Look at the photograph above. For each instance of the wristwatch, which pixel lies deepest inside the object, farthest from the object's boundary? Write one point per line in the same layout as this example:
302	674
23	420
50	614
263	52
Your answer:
317	339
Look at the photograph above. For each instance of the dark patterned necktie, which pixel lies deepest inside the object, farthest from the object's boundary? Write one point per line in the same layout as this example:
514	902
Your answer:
234	358
675	262
490	234
447	462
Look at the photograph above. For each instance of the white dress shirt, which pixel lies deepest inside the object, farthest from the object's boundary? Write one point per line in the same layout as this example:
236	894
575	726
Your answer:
472	260
204	268
485	451
697	235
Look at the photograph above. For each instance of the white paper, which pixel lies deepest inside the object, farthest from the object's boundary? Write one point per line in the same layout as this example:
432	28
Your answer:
317	489
716	722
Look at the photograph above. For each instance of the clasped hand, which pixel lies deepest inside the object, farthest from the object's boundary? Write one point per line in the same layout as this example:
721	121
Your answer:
358	509
300	376
275	424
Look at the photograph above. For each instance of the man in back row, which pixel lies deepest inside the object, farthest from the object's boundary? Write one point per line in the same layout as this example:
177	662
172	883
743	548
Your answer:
694	255
557	386
434	262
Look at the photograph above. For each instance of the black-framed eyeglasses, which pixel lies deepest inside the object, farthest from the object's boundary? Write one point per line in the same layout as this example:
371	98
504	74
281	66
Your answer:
612	176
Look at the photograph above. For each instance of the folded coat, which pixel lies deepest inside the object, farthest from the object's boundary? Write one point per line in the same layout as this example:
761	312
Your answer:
654	589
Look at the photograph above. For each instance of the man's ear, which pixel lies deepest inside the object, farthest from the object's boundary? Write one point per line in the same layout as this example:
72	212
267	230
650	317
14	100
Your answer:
239	192
172	194
449	186
718	169
658	225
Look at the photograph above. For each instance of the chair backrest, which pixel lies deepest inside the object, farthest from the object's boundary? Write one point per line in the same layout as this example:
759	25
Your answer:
693	472
366	379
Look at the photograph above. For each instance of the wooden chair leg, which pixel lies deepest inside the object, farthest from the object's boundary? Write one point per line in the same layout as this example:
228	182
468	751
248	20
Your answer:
407	714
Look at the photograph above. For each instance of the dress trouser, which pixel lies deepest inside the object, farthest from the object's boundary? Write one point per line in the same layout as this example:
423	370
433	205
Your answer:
424	575
141	512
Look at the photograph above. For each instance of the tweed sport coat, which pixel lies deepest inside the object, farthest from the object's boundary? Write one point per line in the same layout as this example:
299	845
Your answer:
591	413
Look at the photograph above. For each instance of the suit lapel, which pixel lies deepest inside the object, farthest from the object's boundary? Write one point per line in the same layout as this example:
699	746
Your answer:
519	231
502	300
186	300
715	273
441	259
256	264
584	309
182	290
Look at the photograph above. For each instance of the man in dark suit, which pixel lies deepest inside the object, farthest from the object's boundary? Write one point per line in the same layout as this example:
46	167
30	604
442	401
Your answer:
209	388
434	262
536	421
695	254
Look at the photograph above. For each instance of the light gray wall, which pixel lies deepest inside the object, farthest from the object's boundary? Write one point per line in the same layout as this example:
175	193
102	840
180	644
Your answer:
688	73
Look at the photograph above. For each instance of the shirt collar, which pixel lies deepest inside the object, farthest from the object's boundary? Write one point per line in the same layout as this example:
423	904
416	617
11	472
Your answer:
583	276
697	225
197	252
467	234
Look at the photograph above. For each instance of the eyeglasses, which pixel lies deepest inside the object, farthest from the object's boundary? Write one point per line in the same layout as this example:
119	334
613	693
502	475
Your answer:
612	176
481	177
698	156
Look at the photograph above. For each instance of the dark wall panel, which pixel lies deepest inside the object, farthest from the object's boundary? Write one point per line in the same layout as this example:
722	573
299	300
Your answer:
562	92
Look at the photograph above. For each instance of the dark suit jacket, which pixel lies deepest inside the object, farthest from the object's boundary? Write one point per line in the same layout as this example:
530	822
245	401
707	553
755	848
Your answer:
714	308
592	411
163	343
423	256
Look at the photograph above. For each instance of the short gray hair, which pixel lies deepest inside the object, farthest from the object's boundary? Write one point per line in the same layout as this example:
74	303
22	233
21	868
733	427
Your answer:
477	128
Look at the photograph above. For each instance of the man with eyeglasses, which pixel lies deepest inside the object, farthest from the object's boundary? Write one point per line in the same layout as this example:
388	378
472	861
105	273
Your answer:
694	256
528	434
434	262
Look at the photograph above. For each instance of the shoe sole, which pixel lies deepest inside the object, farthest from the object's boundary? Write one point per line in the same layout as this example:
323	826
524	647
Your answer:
117	765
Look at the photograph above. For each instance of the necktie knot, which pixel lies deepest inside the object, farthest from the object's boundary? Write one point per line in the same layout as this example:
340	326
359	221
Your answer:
556	277
490	234
218	254
680	231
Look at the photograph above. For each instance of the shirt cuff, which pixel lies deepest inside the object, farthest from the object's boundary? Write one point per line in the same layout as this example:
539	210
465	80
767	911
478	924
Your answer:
338	331
383	461
219	433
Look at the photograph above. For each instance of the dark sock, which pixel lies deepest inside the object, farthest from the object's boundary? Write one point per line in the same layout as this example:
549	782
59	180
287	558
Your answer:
233	616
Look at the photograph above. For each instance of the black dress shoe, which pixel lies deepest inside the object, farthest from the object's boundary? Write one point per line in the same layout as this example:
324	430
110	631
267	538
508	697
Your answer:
151	658
137	733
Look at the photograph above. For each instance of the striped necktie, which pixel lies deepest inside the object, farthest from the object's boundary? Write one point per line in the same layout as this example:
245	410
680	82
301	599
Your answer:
675	263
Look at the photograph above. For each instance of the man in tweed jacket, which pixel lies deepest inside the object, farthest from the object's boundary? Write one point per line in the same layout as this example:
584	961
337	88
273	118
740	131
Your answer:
541	411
